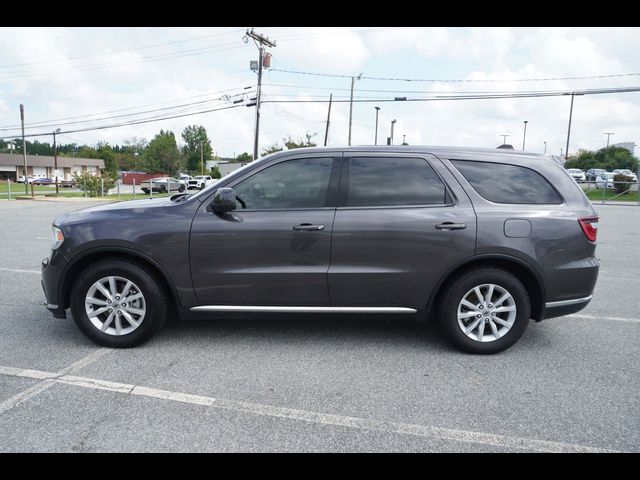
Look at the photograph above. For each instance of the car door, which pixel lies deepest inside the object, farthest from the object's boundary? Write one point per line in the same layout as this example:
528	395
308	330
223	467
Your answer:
274	249
402	222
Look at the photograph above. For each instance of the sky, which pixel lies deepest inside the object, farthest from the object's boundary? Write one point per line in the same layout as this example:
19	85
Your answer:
80	78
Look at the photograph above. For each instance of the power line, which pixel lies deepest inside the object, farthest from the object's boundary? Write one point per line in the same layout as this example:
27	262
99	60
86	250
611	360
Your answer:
313	87
442	80
135	122
165	56
89	120
121	51
476	97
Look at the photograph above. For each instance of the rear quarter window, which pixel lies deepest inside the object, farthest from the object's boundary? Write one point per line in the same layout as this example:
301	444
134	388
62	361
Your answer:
504	183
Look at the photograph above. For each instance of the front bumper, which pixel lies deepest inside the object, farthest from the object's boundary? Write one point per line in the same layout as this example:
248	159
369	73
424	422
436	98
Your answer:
51	269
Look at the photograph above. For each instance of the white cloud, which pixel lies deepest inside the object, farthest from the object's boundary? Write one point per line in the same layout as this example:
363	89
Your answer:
65	88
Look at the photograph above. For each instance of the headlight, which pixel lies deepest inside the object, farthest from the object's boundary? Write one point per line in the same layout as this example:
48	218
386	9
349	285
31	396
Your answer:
57	238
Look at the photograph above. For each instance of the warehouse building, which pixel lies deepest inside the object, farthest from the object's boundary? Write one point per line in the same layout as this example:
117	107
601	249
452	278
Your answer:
12	166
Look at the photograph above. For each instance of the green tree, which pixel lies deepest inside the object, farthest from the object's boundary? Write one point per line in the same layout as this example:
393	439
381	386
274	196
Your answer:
193	135
271	149
300	142
244	158
162	154
105	152
609	158
291	143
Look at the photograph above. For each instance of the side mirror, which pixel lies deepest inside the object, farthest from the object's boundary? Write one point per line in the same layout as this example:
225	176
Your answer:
224	200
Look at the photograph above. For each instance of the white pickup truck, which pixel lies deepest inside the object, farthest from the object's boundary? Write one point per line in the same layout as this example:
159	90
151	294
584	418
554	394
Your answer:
199	182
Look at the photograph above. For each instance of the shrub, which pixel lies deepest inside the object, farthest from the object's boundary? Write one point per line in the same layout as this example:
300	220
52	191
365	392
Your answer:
215	172
93	184
624	182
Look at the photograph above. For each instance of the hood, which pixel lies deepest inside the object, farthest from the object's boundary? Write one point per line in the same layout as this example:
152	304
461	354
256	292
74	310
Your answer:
114	208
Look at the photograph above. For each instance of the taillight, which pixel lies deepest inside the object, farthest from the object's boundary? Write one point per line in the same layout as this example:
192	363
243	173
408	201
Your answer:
589	227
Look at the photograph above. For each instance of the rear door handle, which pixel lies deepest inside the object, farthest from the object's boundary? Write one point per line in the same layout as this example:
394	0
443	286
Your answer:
451	226
308	226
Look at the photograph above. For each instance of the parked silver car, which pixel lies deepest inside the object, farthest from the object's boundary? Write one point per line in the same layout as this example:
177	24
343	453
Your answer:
162	185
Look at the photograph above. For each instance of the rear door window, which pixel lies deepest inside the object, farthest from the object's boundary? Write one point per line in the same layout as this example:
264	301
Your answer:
504	183
393	181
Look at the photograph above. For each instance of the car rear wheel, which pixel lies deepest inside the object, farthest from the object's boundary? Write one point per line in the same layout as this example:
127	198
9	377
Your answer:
118	304
485	311
181	189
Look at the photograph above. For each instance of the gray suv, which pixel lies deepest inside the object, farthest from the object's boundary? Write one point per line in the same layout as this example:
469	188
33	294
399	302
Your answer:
480	240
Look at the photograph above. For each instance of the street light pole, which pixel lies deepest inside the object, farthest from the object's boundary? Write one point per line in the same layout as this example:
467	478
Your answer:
201	159
377	111
545	147
393	122
353	80
24	151
55	160
504	138
608	134
524	137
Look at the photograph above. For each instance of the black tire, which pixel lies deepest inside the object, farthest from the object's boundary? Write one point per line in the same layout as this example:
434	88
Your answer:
163	189
455	293
153	289
181	189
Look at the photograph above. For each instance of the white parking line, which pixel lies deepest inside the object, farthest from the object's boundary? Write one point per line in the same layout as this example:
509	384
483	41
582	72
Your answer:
505	441
47	378
598	317
19	270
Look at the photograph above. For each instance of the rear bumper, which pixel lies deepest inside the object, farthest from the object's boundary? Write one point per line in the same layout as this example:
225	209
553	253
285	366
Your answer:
565	307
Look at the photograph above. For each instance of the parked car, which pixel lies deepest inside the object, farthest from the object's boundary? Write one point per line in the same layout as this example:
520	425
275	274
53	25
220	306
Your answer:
42	181
480	240
184	179
68	183
593	173
162	185
605	180
577	174
627	172
200	181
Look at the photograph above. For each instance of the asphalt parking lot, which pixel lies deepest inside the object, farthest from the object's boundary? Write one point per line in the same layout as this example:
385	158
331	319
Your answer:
570	384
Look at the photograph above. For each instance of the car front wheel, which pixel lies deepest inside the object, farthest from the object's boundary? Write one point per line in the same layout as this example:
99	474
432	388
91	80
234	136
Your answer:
485	311
118	304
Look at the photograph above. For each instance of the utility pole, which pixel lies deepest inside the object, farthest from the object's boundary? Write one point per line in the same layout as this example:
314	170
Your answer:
566	153
353	80
24	151
524	137
393	122
608	134
262	40
377	111
545	147
55	160
201	159
326	132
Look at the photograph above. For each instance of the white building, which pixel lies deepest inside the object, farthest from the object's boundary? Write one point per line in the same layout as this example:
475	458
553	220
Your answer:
12	166
225	167
631	146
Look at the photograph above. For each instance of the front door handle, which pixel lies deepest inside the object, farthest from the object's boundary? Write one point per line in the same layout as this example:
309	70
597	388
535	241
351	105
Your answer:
308	226
451	226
